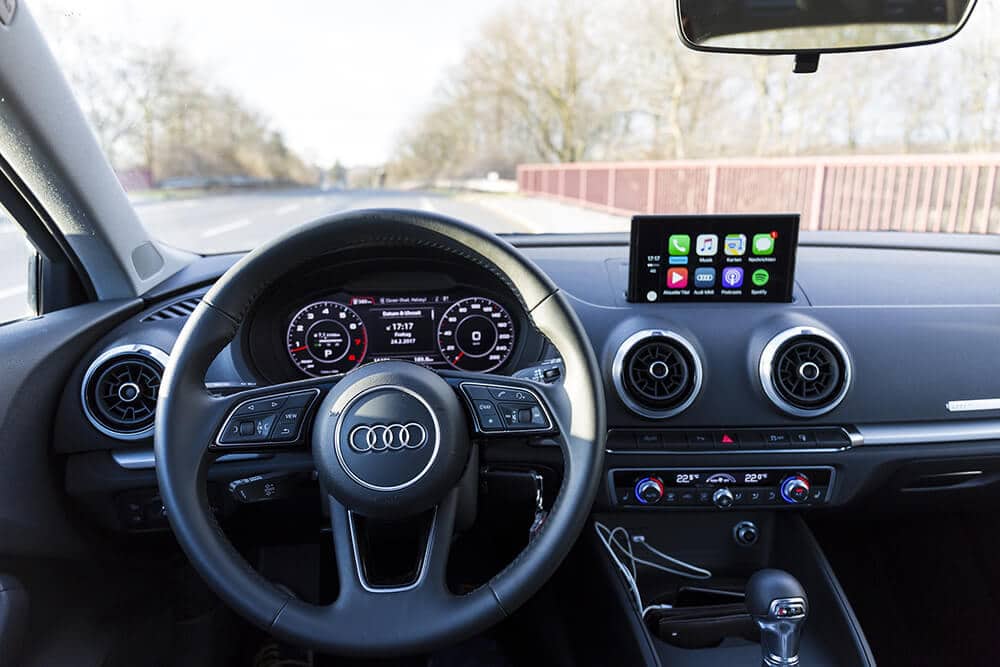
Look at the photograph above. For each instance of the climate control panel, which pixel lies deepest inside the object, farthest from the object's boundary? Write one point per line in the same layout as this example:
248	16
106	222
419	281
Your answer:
721	488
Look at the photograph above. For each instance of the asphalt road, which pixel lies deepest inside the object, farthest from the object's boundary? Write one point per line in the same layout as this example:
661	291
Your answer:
244	221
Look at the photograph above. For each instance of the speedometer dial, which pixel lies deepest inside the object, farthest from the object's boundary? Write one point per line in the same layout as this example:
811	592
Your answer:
326	338
476	334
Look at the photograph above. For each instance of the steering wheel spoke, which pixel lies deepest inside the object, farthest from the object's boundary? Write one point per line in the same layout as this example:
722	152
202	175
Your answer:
267	417
502	406
419	577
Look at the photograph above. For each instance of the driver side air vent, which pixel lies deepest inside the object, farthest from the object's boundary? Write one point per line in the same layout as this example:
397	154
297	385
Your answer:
657	373
177	309
120	389
805	371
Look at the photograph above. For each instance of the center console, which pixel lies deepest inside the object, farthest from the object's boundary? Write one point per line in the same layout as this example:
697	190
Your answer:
714	450
711	620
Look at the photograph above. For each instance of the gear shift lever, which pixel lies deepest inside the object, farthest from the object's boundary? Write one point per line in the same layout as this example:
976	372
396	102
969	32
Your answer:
778	604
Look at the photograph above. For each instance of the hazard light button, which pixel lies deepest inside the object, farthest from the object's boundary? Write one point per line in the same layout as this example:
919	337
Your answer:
727	440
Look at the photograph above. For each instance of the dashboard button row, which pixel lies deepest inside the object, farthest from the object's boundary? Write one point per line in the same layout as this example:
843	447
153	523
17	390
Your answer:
728	440
498	408
272	419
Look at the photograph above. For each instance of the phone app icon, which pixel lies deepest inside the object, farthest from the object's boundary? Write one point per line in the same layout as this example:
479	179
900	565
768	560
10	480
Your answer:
706	245
736	245
760	277
677	278
732	276
763	244
679	244
704	277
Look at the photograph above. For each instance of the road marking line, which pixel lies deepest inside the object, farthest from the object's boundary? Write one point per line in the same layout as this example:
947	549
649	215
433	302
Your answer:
228	227
287	208
13	291
426	205
529	225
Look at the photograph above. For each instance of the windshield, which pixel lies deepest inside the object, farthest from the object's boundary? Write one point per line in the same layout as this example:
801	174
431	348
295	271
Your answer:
230	124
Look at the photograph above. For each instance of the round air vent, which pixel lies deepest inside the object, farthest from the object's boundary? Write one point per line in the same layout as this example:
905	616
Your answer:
119	390
657	373
805	371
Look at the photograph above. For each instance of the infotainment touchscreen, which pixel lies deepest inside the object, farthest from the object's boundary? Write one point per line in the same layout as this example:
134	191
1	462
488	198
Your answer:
745	258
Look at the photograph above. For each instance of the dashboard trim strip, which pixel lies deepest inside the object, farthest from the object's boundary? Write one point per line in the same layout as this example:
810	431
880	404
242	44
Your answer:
143	459
973	405
930	433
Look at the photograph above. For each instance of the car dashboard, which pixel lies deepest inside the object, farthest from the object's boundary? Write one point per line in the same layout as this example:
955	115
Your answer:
902	409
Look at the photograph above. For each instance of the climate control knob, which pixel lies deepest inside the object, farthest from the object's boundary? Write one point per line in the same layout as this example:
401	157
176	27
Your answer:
795	489
723	498
649	490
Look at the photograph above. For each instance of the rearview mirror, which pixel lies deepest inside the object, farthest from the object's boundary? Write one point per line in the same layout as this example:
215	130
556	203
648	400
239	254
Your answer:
817	26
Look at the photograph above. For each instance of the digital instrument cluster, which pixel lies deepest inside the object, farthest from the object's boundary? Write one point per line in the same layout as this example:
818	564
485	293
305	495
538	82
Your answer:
333	336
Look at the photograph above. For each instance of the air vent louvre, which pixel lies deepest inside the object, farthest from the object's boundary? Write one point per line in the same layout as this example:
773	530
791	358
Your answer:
657	373
177	309
120	390
805	372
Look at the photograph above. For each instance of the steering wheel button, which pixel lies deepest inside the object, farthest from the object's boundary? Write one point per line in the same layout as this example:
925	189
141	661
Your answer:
299	400
476	392
489	420
510	394
248	427
259	406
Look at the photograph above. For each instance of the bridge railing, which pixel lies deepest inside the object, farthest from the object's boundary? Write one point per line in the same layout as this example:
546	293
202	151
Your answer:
932	193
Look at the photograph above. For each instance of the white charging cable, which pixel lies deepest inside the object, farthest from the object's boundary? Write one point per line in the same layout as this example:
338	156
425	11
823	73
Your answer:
618	543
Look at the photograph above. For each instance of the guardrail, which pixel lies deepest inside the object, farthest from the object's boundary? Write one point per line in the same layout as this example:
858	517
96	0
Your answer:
932	193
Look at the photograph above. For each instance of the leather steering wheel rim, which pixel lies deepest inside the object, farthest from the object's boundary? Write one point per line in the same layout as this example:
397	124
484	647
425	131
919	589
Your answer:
371	625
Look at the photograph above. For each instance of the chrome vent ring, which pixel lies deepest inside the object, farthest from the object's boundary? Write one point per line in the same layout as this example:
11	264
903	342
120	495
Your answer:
119	390
805	371
657	373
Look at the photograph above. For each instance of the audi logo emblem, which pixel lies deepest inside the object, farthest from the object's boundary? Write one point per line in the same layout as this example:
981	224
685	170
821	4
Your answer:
387	437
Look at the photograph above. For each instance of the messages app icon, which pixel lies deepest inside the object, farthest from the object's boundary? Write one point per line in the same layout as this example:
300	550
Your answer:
736	245
763	244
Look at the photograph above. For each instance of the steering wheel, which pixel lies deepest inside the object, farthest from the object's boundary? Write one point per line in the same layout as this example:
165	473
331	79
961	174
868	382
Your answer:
390	440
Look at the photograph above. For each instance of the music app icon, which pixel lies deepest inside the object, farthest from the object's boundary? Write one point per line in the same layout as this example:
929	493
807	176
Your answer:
707	245
677	278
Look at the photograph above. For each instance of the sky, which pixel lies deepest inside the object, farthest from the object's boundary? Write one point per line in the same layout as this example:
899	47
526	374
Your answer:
339	79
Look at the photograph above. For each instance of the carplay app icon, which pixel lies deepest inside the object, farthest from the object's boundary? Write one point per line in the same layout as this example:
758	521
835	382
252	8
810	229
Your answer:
677	278
706	245
679	244
704	277
736	244
732	277
763	244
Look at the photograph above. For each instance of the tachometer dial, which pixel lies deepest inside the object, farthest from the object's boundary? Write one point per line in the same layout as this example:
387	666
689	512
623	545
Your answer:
476	334
326	338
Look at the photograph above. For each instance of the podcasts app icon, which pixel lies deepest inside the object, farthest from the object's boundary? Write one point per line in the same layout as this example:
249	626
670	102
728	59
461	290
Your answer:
732	277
